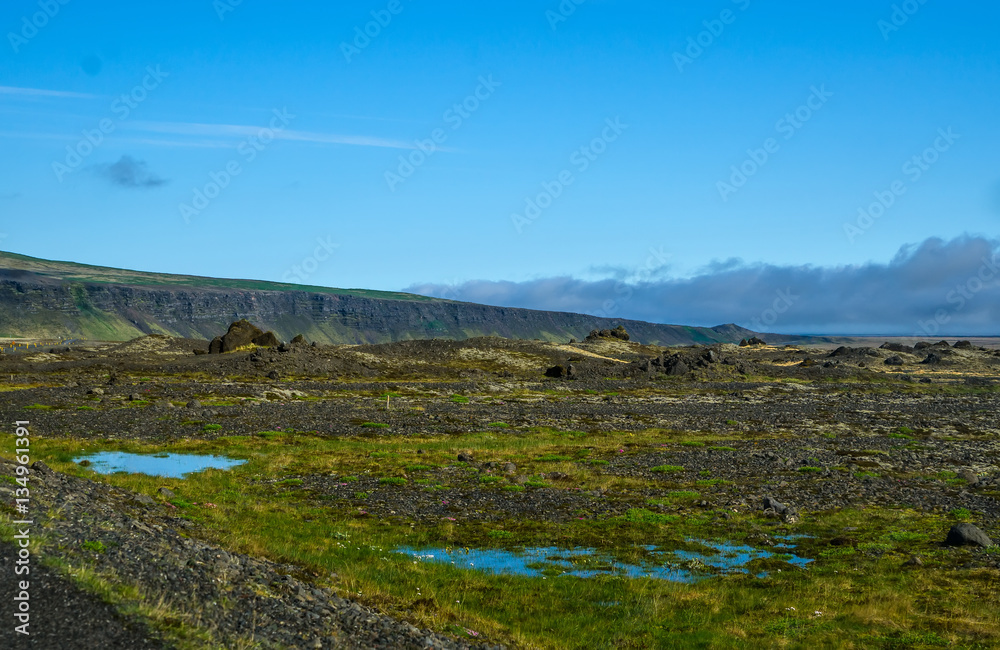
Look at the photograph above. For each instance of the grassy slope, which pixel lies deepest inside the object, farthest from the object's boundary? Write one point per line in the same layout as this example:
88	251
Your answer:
73	272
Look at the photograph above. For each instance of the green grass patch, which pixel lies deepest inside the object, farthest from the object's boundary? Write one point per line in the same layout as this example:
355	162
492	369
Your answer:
95	546
553	458
666	469
644	516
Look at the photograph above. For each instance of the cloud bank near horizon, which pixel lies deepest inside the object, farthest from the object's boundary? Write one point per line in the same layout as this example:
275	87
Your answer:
934	288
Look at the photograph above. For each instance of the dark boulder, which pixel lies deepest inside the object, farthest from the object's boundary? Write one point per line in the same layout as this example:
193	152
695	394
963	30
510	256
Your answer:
842	351
962	345
267	340
299	340
41	468
242	334
556	372
931	359
967	535
779	508
678	367
896	347
616	333
894	360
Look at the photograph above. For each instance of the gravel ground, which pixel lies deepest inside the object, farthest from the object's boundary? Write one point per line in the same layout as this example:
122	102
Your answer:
66	617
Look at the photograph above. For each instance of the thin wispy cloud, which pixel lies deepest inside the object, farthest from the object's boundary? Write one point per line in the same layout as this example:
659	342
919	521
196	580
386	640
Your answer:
935	287
247	130
39	92
130	173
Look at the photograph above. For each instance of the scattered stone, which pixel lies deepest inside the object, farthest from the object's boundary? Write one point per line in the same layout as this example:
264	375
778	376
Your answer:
166	493
95	391
967	535
894	360
194	404
465	457
779	508
40	467
970	477
962	345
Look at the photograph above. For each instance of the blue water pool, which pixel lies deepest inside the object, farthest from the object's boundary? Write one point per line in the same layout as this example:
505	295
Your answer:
162	464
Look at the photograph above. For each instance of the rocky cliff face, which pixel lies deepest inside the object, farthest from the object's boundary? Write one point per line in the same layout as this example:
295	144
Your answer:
37	304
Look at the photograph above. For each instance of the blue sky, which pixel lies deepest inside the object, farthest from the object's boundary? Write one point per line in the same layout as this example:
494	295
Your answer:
823	106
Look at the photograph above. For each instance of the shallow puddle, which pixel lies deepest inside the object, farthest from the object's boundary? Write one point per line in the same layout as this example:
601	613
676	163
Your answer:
675	566
162	464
